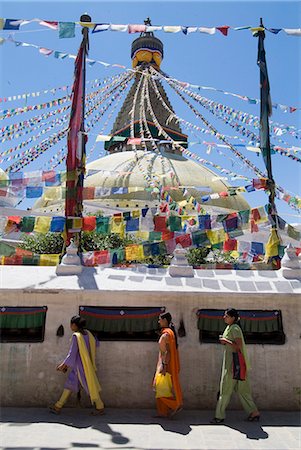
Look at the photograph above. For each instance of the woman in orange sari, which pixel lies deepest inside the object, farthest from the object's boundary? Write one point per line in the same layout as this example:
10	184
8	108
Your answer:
168	365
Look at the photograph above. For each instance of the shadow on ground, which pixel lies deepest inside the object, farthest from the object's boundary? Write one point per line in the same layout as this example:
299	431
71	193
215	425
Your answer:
181	424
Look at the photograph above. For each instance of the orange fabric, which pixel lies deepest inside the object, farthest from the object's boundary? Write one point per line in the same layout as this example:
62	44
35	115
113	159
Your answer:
173	368
162	409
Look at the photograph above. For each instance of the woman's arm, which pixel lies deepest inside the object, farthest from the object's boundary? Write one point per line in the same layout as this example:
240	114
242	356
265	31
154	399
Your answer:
165	354
70	359
236	344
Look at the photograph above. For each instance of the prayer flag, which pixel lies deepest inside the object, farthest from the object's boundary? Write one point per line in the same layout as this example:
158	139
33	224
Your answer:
49	260
45	51
122	28
11	24
27	224
52	25
136	28
57	224
42	224
72	162
102	257
66	30
89	223
100	27
223	30
265	103
102	225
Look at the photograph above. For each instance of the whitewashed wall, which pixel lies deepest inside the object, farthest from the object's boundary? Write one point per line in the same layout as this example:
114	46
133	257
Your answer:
125	369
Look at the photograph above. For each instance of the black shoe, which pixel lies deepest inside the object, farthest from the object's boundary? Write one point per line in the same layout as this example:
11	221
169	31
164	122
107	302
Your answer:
253	418
216	421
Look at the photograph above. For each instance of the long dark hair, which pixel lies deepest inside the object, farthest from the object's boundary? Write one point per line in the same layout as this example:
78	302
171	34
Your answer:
232	312
79	321
168	317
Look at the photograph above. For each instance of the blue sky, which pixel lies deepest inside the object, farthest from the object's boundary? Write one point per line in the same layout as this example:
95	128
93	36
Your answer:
227	63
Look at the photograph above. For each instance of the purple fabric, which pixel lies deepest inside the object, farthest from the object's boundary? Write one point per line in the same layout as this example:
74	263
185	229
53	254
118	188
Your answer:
73	361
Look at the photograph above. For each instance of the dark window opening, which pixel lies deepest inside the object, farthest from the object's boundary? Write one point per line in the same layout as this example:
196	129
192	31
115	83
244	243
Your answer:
122	323
22	324
258	326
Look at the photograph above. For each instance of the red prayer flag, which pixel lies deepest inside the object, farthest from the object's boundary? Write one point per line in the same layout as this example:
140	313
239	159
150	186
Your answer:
223	30
74	127
184	240
89	223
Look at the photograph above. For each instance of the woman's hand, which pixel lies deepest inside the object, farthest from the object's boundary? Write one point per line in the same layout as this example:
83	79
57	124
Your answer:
62	367
163	369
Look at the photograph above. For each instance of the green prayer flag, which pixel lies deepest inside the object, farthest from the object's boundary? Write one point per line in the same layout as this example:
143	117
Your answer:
6	250
293	233
27	224
102	225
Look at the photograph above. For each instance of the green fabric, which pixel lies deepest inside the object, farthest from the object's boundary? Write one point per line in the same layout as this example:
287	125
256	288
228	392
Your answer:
20	320
218	246
102	225
119	253
293	233
121	324
244	216
235	233
174	223
27	224
200	238
162	248
260	326
253	326
155	236
147	249
31	260
6	250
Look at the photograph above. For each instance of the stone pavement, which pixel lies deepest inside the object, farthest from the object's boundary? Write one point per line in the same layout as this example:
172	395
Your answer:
37	429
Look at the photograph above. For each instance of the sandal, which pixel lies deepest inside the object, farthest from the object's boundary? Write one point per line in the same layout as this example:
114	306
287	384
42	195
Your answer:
216	421
175	411
253	418
98	412
54	409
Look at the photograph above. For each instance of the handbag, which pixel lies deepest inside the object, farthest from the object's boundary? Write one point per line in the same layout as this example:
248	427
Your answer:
239	368
163	385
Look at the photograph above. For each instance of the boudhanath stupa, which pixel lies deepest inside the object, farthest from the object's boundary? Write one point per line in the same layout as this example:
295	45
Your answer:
142	166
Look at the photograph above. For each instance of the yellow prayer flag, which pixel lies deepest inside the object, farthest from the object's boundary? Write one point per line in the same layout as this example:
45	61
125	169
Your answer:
256	29
136	213
118	227
42	224
143	235
49	260
53	193
216	236
272	247
134	252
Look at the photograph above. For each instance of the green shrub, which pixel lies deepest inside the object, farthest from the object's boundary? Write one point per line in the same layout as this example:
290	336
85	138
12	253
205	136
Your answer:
49	243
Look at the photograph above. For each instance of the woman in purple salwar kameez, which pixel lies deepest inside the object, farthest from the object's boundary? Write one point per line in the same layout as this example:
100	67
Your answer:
81	361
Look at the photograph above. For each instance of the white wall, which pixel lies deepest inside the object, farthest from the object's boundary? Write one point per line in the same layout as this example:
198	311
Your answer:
125	369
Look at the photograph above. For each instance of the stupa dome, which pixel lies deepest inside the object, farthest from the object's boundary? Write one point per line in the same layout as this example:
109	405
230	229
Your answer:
131	169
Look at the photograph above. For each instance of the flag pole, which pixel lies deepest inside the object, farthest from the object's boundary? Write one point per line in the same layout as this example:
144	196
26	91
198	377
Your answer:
265	146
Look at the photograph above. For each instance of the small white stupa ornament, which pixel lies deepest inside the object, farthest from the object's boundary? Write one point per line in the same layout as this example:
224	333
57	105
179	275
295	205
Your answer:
179	266
70	264
291	264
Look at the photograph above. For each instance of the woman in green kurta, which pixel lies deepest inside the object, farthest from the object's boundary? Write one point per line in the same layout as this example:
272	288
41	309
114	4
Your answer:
233	341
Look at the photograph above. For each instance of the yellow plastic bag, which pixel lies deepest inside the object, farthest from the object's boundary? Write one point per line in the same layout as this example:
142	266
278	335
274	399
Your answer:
163	385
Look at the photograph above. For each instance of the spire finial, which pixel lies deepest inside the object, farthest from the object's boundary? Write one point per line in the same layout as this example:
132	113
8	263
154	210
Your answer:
147	21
